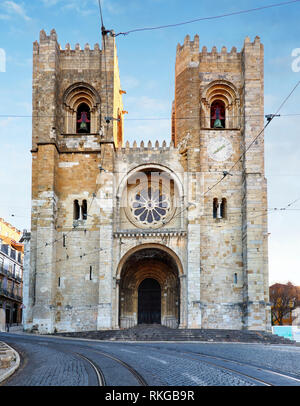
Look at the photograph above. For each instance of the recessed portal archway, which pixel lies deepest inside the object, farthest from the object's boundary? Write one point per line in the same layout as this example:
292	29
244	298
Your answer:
149	290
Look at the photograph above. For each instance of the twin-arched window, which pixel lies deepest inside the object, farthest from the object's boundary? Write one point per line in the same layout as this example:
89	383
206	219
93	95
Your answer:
79	210
82	107
220	106
219	208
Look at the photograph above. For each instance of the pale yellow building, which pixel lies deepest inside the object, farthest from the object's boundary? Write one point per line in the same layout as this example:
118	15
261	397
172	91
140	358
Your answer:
11	272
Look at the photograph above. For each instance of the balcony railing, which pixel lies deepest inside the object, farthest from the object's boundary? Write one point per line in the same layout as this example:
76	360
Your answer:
7	293
5	271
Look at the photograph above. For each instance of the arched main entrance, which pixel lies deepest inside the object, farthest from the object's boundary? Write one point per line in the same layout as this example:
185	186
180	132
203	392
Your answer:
149	288
149	302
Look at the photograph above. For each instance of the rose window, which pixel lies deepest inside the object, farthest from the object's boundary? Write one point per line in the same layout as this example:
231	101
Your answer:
150	206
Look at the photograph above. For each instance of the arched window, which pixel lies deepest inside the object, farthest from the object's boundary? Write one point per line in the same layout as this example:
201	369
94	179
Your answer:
223	208
76	210
220	105
82	109
219	208
215	208
84	210
217	114
83	119
80	210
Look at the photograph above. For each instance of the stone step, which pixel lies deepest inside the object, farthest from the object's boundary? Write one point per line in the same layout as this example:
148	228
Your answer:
162	333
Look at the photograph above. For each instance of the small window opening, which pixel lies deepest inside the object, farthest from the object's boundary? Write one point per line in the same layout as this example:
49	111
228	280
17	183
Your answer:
76	210
84	210
235	278
64	240
219	209
83	118
215	208
217	114
223	208
91	273
59	282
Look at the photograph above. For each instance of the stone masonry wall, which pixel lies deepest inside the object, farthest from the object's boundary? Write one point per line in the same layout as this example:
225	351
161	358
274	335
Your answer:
221	264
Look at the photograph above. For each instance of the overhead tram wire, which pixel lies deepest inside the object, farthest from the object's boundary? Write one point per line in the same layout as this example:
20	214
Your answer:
155	118
272	210
50	243
143	230
73	257
270	118
104	32
206	18
290	204
225	172
253	215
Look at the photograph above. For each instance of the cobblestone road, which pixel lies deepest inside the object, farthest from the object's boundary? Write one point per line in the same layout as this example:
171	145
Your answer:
51	361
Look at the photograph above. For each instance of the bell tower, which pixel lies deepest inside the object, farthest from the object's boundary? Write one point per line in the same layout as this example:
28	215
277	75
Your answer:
217	112
77	125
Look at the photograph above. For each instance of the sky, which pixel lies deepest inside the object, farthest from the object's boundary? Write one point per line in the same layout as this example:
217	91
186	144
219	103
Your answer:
147	63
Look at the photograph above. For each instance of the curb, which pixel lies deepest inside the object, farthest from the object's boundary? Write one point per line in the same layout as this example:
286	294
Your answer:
6	373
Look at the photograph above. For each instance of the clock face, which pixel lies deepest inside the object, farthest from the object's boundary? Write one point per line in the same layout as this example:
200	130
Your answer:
219	149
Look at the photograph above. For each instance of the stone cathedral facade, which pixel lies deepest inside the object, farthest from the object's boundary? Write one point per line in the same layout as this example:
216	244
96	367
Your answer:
124	234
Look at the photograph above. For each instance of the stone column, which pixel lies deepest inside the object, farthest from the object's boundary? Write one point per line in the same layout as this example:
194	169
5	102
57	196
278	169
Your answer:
193	282
43	246
255	202
106	201
183	307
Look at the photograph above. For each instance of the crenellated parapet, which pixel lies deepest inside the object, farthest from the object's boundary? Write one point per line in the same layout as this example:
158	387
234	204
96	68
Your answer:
84	70
188	45
203	75
48	40
222	56
87	49
143	147
188	55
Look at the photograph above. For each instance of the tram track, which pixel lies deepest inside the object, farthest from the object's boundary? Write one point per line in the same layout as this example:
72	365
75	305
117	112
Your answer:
257	372
261	375
109	368
141	381
96	368
101	374
89	357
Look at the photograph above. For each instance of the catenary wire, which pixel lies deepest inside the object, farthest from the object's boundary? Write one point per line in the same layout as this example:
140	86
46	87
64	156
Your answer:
226	173
64	235
211	226
258	135
155	118
242	155
206	18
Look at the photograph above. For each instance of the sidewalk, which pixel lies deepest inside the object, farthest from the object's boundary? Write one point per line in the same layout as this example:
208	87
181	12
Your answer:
9	361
